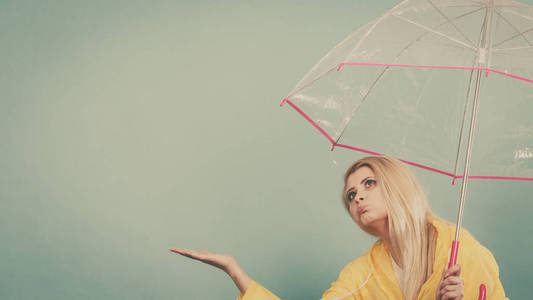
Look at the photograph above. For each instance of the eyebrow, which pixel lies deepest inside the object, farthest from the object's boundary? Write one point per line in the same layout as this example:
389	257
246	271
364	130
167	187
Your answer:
361	182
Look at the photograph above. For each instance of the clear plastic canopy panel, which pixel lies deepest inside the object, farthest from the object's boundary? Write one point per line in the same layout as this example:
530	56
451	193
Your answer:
404	85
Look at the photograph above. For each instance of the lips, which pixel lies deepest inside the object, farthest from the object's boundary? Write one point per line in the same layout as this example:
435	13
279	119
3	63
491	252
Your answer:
361	209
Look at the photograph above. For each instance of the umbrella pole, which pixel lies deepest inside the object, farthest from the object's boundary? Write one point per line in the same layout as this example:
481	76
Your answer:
482	60
455	244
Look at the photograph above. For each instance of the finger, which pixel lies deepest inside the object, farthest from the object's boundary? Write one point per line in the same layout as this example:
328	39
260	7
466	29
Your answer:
185	252
182	251
451	288
189	253
455	270
453	295
177	250
452	280
458	271
444	271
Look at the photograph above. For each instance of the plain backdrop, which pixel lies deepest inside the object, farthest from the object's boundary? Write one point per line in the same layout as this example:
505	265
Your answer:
130	127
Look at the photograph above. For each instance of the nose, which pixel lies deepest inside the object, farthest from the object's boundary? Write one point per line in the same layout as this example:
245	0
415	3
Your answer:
359	198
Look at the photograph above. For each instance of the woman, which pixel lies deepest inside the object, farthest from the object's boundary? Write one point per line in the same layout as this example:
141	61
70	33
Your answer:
409	260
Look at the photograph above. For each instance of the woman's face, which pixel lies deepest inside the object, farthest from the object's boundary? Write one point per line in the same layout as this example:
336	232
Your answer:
366	201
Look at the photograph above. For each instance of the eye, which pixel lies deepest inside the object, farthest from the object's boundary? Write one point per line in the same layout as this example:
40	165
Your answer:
351	196
370	183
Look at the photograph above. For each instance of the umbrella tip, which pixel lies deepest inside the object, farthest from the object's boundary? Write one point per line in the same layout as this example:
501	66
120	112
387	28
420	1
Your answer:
454	178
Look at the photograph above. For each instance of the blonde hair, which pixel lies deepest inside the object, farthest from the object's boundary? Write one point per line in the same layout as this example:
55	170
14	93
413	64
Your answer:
408	213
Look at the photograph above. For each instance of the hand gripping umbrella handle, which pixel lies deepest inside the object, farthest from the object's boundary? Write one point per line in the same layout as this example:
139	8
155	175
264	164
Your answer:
453	261
453	254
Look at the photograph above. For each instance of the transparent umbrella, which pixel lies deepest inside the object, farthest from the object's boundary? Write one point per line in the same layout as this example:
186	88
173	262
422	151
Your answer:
443	85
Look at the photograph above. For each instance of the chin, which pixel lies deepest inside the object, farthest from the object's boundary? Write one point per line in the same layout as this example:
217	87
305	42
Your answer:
366	226
366	220
369	225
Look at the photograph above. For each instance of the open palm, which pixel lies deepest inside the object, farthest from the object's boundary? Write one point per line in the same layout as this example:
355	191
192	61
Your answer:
221	261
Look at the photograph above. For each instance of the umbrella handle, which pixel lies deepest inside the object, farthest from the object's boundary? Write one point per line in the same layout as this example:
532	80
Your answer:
453	254
453	261
482	291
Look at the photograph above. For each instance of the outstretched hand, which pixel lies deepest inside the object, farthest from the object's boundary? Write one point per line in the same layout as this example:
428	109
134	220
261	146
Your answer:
221	261
224	262
451	286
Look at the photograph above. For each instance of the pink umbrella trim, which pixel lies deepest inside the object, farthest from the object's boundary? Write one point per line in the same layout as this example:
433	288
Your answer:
487	70
334	144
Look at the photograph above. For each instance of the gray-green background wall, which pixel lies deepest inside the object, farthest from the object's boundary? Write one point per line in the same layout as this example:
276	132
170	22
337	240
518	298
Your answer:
130	127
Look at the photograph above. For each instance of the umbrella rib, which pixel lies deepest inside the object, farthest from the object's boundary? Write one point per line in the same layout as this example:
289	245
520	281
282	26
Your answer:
360	41
467	5
311	82
361	102
466	105
513	37
514	27
513	48
401	52
439	25
514	6
462	126
387	67
351	52
375	24
435	32
450	21
520	15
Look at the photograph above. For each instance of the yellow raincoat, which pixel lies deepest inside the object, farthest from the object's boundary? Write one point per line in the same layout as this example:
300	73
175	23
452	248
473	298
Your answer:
477	266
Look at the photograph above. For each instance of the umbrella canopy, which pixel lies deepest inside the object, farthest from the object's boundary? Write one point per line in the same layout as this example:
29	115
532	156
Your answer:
413	83
405	84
